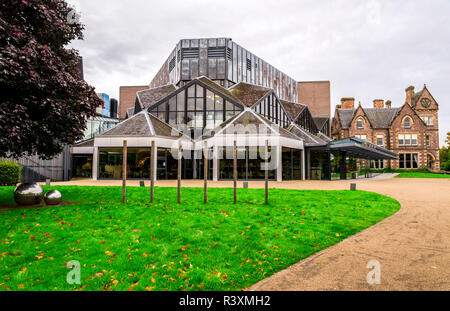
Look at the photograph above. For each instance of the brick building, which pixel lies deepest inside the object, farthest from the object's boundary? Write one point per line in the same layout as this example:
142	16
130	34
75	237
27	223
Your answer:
411	131
127	98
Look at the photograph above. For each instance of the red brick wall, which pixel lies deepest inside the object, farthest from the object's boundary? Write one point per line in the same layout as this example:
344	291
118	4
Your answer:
127	98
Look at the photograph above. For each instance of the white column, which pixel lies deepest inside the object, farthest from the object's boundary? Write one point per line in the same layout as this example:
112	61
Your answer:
303	165
95	164
279	163
215	163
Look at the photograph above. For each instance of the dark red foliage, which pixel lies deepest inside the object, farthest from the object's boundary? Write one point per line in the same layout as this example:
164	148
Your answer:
43	100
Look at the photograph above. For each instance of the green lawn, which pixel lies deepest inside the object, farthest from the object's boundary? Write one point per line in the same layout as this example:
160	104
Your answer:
166	246
421	175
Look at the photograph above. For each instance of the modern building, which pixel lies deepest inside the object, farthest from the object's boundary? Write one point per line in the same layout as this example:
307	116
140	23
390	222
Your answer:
411	130
211	95
104	109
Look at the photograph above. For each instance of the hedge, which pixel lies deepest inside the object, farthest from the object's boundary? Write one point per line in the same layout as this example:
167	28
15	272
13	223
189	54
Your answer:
9	173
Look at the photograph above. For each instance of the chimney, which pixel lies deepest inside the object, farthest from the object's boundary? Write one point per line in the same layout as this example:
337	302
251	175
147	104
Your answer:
348	103
388	104
409	94
378	103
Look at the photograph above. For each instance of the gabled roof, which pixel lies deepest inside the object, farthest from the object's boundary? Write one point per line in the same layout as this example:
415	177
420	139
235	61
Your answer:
309	139
320	121
418	95
381	118
142	124
293	110
249	94
151	96
245	118
346	117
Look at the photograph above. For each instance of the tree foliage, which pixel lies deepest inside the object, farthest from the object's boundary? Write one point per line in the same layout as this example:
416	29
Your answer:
444	155
44	101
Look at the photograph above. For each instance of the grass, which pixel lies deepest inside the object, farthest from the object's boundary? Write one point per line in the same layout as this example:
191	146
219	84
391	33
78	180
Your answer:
422	175
166	246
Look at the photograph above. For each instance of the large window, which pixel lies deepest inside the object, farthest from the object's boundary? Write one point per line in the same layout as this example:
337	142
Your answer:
82	165
407	139
408	160
377	164
249	163
305	121
271	108
111	160
197	107
292	164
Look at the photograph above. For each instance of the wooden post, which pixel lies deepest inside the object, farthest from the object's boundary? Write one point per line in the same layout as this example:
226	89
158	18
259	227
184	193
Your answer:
266	173
235	170
124	171
179	172
205	173
152	172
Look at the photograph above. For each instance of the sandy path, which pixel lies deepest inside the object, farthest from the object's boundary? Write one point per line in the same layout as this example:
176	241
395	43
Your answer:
412	246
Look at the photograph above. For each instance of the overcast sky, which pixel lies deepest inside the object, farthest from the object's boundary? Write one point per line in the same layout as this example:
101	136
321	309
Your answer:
367	49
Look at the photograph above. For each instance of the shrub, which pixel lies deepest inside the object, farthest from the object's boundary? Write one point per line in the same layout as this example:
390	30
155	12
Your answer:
9	173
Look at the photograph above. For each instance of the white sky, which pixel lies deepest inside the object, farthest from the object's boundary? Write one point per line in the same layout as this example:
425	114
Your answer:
367	49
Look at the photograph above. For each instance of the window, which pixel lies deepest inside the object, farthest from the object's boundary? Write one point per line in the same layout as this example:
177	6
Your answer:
407	123
428	141
377	164
363	137
360	124
428	120
380	140
407	139
408	160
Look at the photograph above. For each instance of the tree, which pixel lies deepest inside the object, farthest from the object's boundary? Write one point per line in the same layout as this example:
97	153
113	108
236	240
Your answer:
44	100
444	155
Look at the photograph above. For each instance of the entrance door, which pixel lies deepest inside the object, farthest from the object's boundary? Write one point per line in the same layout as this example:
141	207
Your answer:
430	162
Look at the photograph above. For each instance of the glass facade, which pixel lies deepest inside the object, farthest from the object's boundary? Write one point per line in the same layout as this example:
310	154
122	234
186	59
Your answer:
306	122
319	165
292	164
98	125
249	163
138	163
271	108
198	107
82	165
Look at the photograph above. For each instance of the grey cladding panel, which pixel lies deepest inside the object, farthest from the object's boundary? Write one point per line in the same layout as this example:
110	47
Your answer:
221	69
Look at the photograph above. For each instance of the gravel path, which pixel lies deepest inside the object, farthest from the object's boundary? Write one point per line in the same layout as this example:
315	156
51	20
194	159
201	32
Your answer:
412	246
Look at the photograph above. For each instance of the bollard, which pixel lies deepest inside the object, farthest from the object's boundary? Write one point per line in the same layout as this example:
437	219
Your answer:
352	187
141	183
245	185
47	182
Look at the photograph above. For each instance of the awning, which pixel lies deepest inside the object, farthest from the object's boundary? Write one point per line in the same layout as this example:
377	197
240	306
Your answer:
359	148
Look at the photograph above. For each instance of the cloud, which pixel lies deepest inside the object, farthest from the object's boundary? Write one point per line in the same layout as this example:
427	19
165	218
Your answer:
367	49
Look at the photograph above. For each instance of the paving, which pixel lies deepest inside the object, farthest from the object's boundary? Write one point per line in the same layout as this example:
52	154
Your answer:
412	246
